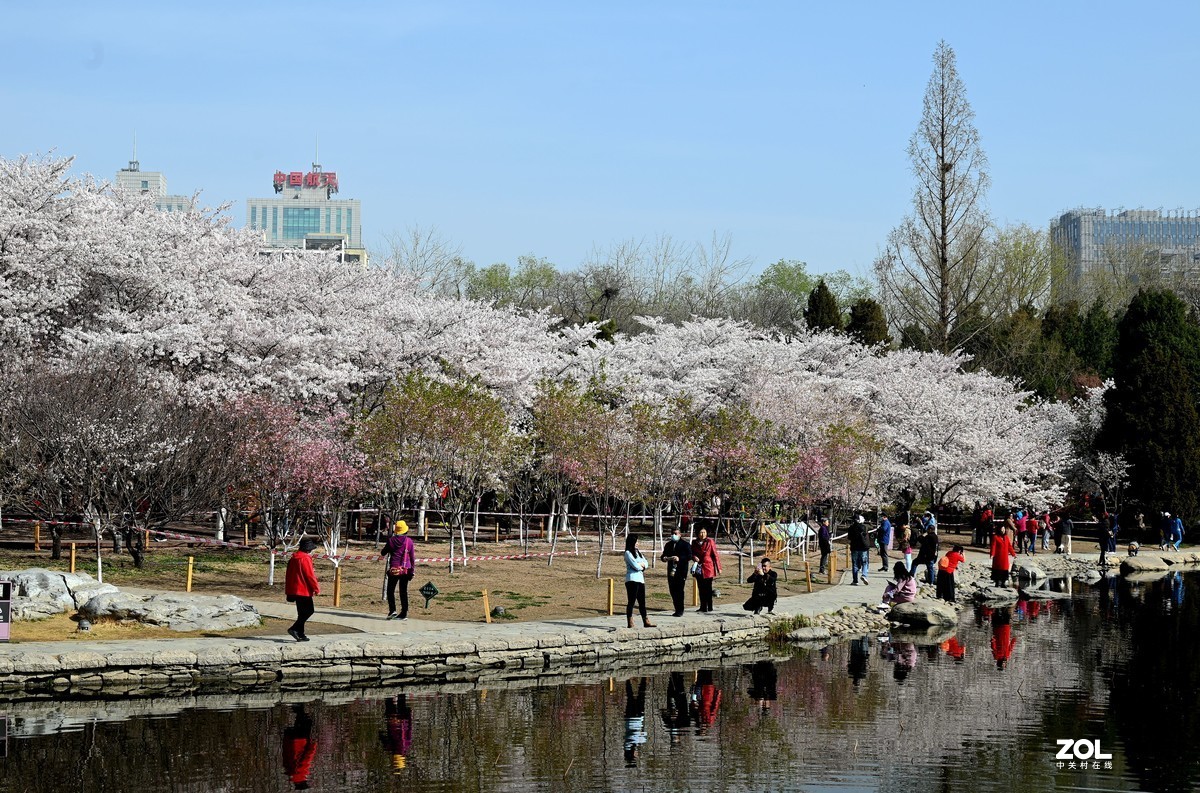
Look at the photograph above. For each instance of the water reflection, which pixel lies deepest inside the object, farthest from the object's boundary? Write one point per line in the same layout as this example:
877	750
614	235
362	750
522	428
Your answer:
299	748
909	713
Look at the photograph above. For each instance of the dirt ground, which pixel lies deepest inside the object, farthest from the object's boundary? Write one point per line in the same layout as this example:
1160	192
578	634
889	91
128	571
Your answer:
527	589
66	628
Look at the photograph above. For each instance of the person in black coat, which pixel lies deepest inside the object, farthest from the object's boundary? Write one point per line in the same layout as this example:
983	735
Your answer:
677	553
765	593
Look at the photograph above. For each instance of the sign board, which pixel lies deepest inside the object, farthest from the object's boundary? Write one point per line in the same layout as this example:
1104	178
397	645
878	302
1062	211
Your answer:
5	608
320	180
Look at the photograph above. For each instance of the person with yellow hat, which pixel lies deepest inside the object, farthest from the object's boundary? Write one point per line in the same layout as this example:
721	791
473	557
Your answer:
401	561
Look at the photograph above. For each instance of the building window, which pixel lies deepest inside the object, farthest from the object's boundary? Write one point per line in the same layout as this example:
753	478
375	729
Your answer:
325	228
253	217
339	220
298	222
274	222
145	185
349	222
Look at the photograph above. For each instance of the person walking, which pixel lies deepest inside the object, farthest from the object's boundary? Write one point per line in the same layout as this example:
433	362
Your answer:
677	553
905	544
824	542
946	567
300	586
704	553
860	550
885	542
765	592
1002	554
635	582
1176	532
928	553
1065	529
1104	536
401	563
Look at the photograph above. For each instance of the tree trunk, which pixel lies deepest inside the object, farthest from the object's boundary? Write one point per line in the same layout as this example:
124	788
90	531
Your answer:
135	545
55	541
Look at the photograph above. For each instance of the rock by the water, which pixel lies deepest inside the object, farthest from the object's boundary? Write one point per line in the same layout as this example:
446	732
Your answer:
1028	570
816	634
1089	577
40	593
923	637
924	612
997	595
1145	576
179	612
1138	564
1043	594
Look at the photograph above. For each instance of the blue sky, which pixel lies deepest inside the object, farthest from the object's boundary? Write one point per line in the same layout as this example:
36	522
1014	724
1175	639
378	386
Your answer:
552	128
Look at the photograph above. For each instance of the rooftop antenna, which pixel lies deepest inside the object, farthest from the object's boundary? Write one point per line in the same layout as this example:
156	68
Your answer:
316	154
133	164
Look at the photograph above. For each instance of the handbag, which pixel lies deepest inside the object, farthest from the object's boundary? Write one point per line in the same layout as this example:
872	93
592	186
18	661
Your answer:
694	568
397	571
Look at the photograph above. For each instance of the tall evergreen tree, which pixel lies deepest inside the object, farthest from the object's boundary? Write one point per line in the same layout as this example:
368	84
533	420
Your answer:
1153	417
867	323
823	312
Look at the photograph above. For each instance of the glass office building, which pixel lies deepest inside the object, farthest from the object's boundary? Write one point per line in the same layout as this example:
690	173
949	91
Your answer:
1091	239
304	214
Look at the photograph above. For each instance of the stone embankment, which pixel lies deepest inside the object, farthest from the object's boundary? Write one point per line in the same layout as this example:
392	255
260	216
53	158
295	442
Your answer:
155	667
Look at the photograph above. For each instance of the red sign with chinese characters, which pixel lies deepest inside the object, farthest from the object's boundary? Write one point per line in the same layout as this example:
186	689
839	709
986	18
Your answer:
314	179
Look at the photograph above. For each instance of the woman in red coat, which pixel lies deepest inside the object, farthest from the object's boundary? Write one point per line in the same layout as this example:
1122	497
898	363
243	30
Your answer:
1002	555
708	561
301	587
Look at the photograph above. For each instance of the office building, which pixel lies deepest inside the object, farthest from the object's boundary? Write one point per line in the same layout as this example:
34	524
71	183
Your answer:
134	180
1122	241
305	215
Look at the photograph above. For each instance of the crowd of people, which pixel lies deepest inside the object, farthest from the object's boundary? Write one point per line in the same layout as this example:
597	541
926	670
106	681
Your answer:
1021	530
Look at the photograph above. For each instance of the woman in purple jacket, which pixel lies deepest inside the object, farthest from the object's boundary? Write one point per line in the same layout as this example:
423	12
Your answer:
401	561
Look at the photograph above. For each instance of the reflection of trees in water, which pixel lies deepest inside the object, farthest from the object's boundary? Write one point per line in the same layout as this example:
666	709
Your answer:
947	726
1155	684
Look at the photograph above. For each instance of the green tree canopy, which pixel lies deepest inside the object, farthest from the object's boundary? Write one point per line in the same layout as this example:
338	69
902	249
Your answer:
823	312
867	323
1152	411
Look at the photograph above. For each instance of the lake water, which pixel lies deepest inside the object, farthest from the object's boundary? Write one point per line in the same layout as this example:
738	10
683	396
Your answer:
1119	665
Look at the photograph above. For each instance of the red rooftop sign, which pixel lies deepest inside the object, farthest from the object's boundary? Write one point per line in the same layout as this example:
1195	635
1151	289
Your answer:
317	179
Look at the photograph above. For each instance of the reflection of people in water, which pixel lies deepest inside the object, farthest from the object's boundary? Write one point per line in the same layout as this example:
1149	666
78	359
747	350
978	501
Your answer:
860	653
906	660
763	679
635	720
1003	641
708	701
1177	589
955	649
677	715
398	737
299	748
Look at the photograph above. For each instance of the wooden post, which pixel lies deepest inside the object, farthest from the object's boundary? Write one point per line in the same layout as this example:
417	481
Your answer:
72	557
487	609
849	561
695	591
337	586
497	529
611	585
246	533
37	536
146	540
191	562
807	575
832	566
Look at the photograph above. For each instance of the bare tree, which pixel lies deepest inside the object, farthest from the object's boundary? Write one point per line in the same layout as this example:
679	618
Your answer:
932	271
434	263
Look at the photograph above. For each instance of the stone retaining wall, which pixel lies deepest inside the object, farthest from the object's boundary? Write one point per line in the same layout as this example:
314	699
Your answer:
157	667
